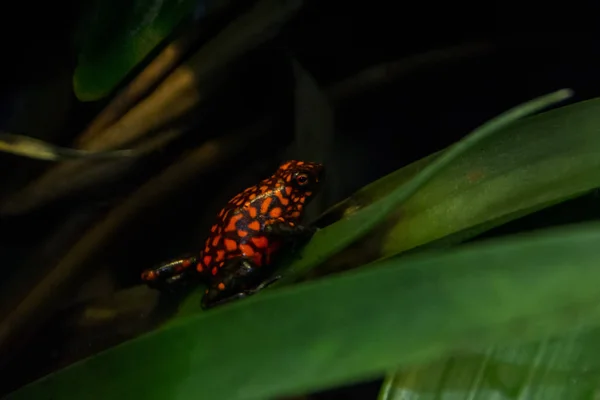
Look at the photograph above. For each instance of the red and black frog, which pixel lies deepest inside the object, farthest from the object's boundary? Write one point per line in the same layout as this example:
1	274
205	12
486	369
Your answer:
237	258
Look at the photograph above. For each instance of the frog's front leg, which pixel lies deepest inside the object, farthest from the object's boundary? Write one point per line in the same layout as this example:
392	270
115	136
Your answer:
295	235
237	279
288	229
170	272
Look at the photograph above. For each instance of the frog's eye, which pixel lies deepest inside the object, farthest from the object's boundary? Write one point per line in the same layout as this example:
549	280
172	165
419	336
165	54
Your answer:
302	179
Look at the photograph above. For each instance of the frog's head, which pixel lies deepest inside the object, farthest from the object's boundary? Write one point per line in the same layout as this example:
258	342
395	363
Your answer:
303	177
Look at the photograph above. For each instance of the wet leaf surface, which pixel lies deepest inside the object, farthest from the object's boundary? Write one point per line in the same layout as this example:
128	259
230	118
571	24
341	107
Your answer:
557	368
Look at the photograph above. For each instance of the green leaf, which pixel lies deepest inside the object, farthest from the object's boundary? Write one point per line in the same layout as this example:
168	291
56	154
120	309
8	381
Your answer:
115	36
285	341
538	162
534	163
338	236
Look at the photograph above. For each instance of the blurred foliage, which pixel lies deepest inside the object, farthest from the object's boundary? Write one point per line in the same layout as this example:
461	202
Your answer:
115	35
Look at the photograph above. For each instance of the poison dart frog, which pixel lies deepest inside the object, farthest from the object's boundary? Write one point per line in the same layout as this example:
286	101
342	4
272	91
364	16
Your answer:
238	253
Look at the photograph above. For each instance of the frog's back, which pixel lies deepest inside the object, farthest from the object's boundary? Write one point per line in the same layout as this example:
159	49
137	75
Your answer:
239	228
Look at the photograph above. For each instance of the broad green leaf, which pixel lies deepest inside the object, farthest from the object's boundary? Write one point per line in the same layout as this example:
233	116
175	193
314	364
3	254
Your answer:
538	162
336	237
117	35
410	310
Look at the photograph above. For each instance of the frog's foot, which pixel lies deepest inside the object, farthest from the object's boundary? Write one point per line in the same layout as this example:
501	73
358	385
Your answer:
238	279
264	285
241	295
174	271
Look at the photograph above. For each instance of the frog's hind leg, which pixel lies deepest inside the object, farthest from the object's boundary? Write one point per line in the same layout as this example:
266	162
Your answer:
169	273
239	278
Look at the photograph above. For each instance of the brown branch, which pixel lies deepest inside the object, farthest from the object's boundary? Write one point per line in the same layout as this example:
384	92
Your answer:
151	75
73	176
140	86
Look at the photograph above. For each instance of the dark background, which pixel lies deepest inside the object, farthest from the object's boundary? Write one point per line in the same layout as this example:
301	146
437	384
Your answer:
537	49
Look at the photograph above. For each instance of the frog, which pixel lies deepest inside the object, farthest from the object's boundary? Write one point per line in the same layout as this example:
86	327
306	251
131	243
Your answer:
239	255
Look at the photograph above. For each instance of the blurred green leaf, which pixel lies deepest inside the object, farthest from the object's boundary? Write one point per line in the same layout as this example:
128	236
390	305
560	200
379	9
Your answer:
30	147
314	116
559	368
410	310
116	35
314	125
